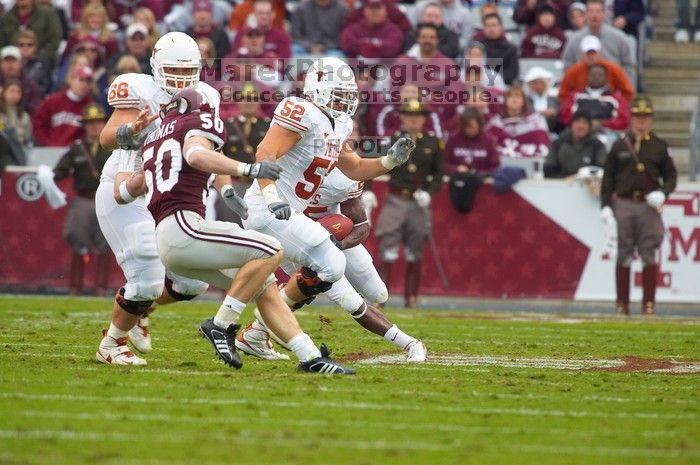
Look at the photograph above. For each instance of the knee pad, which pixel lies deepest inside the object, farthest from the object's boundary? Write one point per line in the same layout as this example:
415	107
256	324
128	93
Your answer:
309	282
134	307
181	288
379	295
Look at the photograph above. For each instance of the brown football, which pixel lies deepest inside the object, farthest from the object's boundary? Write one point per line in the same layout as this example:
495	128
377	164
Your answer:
338	225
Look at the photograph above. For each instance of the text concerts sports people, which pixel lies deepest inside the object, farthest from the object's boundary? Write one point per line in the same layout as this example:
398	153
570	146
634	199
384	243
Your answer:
180	160
130	229
307	137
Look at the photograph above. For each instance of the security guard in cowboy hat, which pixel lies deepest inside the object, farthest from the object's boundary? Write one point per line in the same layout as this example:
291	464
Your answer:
84	161
245	132
405	216
639	176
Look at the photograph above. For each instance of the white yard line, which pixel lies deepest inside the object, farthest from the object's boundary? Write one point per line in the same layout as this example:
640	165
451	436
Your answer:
352	405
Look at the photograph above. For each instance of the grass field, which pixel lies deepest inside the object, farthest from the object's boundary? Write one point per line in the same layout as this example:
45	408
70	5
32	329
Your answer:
495	390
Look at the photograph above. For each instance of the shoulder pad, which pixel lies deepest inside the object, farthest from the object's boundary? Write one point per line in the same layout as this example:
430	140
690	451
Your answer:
128	90
294	114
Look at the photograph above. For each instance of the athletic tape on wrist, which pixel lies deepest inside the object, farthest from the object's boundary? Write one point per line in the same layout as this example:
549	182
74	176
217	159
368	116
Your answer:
387	163
124	193
243	169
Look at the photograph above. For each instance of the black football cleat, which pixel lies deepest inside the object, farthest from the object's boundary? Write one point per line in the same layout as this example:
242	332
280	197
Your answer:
223	340
325	364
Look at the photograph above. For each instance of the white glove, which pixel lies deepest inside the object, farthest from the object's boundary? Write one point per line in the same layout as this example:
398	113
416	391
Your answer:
398	153
422	198
589	172
369	203
606	214
55	196
656	199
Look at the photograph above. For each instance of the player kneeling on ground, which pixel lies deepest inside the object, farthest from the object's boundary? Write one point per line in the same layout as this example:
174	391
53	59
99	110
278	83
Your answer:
180	161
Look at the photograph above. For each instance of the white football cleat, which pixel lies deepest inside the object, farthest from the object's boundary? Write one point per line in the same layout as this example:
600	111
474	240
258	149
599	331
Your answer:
140	336
115	352
257	343
416	352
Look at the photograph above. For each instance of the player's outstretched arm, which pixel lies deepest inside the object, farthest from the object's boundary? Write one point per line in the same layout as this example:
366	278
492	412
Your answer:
353	209
275	144
199	154
363	169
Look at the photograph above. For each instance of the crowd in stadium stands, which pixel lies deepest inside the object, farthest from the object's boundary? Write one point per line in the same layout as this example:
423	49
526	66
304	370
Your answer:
58	57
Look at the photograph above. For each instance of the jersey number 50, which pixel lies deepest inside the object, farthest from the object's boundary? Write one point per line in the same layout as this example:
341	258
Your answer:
170	155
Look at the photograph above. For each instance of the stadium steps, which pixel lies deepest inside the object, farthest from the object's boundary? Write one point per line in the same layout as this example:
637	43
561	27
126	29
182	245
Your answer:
671	80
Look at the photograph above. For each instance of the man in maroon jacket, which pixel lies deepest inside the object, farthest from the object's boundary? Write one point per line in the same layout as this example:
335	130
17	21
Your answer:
373	37
278	43
58	120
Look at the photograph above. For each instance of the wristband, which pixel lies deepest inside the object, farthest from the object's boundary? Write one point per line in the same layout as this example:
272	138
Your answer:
360	224
124	193
269	192
388	164
243	169
224	189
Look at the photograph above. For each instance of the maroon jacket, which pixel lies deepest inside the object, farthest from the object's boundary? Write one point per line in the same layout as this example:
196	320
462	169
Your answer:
382	41
58	121
395	15
520	136
278	42
478	153
543	43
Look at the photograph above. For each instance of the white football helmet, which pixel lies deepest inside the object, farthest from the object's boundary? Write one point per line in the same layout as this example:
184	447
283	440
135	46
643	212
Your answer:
176	50
330	84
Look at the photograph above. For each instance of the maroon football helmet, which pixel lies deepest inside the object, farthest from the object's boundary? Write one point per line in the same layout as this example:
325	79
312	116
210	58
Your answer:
186	101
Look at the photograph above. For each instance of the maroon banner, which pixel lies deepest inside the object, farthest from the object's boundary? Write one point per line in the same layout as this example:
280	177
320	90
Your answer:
503	248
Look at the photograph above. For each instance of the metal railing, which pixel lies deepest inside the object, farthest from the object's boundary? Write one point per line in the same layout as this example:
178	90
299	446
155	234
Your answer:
694	139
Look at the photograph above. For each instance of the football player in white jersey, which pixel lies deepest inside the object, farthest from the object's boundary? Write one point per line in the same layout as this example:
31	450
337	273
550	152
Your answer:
308	137
339	194
130	229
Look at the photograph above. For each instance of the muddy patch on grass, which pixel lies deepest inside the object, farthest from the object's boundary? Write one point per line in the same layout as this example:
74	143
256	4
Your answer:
655	365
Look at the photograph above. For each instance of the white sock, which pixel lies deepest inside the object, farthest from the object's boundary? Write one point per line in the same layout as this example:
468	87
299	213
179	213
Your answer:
286	298
114	333
398	337
303	347
229	312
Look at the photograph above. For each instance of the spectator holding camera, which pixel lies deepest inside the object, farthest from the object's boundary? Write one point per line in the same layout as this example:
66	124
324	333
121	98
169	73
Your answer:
470	149
576	147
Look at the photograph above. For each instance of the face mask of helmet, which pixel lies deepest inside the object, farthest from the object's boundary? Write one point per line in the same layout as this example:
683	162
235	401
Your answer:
331	85
172	79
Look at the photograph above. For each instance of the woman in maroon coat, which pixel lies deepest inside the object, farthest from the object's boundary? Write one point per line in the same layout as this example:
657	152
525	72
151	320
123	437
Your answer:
470	149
